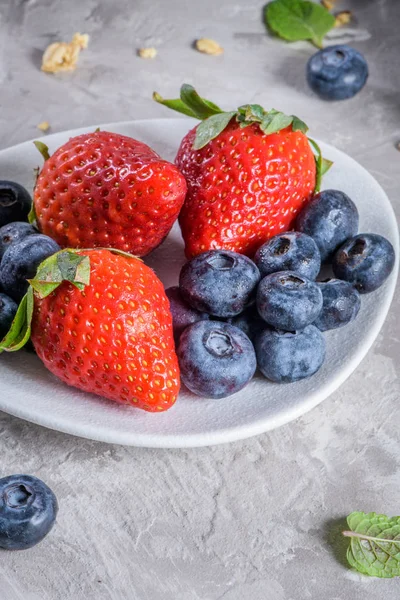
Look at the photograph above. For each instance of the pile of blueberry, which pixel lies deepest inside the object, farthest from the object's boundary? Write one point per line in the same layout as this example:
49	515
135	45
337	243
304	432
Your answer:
28	508
22	249
232	314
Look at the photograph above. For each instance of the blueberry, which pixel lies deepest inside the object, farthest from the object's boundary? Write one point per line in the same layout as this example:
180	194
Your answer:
249	321
288	301
8	309
15	202
219	282
14	232
330	218
216	359
20	262
341	303
286	356
365	260
28	510
291	251
337	72
183	315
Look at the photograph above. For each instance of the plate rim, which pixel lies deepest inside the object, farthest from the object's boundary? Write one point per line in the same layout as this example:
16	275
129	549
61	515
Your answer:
227	434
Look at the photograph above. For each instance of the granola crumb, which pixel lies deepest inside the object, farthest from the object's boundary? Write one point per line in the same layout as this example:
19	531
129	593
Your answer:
147	52
43	126
343	18
328	4
63	56
208	46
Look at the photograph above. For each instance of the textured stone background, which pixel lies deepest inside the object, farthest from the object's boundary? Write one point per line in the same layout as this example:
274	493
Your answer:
253	520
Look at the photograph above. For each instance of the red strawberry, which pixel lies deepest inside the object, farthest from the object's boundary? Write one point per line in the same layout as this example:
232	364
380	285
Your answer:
113	336
108	190
249	172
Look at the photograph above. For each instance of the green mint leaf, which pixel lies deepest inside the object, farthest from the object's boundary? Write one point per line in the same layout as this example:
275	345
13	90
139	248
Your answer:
322	164
374	544
43	149
299	125
211	128
275	121
20	329
295	20
65	265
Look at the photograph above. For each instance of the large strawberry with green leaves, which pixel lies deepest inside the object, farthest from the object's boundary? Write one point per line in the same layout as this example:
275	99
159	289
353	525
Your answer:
104	189
249	172
100	321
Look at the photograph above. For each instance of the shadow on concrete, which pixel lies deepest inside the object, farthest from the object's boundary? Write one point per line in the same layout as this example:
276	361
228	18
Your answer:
337	543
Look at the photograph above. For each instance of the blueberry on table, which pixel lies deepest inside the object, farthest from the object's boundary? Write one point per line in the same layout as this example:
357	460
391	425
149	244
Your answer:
20	262
337	72
287	356
183	315
216	359
15	202
287	301
366	261
219	282
28	510
14	232
290	251
8	309
330	218
341	304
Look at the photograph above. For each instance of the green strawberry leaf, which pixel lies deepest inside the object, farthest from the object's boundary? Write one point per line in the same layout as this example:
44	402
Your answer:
299	125
374	544
203	109
322	164
174	104
210	128
250	113
43	149
295	20
65	265
32	214
214	120
20	329
275	121
190	103
325	165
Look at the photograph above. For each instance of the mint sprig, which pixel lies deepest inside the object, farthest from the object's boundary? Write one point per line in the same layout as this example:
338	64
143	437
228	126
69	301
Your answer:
374	544
295	20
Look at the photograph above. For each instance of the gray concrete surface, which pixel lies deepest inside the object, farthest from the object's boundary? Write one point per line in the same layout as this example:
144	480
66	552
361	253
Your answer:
253	520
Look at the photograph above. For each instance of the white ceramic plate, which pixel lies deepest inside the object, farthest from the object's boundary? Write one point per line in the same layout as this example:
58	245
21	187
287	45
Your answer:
29	391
